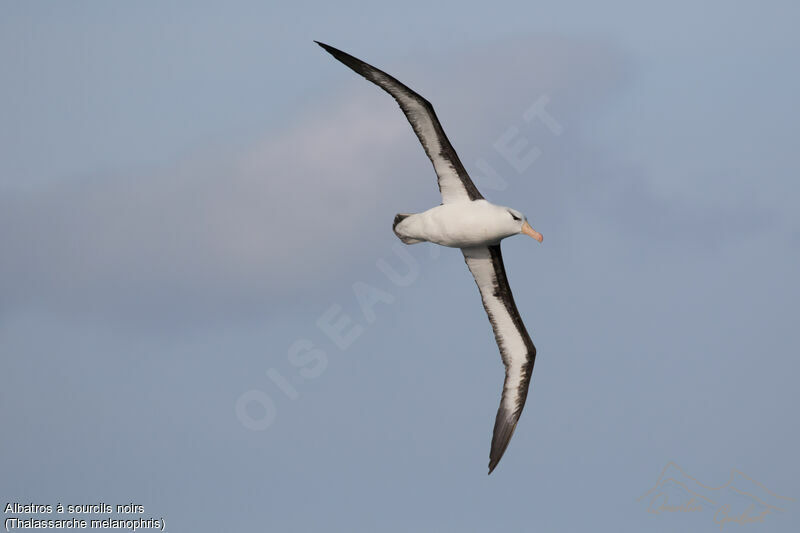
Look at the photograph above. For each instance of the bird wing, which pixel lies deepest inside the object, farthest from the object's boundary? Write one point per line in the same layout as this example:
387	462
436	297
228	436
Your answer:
516	348
454	182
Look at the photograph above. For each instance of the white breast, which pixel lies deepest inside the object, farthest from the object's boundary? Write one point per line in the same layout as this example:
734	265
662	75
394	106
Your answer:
461	224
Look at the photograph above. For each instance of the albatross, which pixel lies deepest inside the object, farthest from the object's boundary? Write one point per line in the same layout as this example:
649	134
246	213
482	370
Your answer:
466	220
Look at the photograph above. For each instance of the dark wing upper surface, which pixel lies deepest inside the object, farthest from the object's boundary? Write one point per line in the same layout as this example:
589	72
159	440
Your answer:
454	182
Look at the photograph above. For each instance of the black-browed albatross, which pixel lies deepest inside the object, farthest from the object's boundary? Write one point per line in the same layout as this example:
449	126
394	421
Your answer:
466	220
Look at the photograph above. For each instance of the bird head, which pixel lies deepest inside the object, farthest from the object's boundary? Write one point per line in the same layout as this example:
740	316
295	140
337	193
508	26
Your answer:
520	222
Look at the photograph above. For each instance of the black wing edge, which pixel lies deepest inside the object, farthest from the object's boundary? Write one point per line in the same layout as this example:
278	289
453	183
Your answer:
447	150
506	421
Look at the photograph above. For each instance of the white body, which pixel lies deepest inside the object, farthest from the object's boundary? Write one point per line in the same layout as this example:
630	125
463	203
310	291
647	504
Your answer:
462	224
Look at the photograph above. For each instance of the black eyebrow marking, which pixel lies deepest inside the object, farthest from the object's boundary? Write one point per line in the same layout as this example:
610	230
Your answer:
515	217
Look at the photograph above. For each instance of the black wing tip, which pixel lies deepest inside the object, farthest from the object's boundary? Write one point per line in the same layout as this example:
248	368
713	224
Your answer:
494	458
335	52
503	431
364	69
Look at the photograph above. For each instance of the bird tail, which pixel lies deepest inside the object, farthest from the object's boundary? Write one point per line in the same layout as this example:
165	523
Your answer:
398	218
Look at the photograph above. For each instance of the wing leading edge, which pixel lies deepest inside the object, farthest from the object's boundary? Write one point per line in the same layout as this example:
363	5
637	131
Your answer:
454	182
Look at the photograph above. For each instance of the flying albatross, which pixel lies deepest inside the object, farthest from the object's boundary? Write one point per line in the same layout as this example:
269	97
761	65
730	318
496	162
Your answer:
466	220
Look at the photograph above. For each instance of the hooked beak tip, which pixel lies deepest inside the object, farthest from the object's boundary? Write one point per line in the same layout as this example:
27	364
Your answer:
528	230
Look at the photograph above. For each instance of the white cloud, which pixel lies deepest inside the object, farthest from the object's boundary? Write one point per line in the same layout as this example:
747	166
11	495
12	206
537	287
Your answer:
295	209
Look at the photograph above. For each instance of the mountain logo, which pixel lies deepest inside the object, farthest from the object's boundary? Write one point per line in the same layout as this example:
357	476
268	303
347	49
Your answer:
741	500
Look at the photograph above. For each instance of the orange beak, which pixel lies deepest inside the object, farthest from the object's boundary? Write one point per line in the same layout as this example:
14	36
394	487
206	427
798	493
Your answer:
528	230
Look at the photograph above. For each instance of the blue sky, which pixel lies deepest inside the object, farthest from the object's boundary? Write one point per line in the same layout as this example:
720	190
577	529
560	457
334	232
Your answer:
190	192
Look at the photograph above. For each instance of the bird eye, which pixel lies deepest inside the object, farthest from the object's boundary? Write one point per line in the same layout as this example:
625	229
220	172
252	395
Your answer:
515	217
